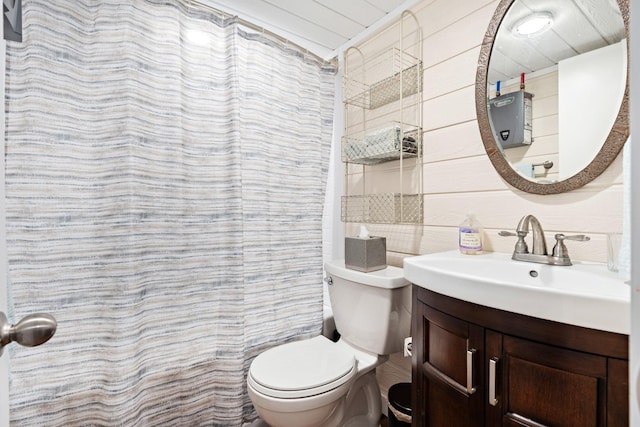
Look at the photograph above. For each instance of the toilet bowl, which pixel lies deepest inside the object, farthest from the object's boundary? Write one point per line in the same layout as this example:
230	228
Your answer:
320	383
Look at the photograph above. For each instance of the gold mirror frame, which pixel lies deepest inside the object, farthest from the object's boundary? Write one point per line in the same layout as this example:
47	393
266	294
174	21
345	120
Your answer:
607	154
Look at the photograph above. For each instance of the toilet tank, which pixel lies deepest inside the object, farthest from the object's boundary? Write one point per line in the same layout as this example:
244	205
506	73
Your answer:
372	310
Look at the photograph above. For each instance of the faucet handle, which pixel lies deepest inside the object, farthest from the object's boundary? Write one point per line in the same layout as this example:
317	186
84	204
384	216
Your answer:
576	237
521	245
560	249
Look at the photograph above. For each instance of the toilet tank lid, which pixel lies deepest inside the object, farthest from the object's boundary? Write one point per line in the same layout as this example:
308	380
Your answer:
389	278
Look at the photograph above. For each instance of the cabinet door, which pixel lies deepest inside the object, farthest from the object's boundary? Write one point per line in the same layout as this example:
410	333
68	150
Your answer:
450	371
544	385
617	393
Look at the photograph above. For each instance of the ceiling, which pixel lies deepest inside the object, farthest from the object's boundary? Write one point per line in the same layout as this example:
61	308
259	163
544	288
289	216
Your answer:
578	26
327	27
323	27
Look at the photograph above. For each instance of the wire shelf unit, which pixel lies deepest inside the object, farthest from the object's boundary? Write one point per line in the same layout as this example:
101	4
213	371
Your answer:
382	97
383	145
390	76
383	208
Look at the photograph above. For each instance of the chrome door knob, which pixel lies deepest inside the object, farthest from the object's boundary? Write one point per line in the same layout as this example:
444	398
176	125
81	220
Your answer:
32	330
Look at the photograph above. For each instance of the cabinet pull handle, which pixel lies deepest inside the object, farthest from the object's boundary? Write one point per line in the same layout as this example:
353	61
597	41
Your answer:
470	388
493	363
434	373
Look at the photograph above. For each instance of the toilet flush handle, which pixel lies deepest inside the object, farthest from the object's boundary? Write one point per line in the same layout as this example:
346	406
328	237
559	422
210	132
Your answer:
328	280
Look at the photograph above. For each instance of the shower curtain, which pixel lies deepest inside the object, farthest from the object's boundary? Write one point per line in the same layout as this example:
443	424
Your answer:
165	174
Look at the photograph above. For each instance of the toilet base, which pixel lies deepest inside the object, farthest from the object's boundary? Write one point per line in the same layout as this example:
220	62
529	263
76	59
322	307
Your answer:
362	406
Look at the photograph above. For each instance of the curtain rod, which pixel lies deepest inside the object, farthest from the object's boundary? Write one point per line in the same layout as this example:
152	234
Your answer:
260	30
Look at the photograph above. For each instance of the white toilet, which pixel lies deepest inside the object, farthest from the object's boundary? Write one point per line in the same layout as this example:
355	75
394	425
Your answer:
320	383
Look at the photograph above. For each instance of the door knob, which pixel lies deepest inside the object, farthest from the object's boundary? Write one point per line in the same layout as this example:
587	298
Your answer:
32	330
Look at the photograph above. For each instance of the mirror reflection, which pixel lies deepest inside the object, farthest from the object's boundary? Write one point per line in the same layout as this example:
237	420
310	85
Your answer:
555	82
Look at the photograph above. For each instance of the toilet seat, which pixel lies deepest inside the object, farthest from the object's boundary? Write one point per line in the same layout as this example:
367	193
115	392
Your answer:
302	369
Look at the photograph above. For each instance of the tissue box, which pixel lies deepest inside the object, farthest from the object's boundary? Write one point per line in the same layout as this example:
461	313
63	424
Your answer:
365	254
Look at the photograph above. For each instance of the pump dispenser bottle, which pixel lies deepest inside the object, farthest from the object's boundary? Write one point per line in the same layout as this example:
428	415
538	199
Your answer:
470	236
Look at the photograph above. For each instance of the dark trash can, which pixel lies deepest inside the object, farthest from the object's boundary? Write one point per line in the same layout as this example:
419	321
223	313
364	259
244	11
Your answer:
399	397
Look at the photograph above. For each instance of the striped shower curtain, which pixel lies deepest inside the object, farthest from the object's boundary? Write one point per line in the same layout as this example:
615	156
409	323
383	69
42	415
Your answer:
165	174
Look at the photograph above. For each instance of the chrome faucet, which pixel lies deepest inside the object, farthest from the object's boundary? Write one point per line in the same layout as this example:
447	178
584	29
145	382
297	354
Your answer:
559	255
539	242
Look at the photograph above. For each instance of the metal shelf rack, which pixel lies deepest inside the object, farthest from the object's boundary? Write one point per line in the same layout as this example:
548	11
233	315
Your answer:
382	96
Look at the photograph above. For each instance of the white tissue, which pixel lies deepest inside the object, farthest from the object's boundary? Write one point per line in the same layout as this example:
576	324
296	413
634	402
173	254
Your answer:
364	233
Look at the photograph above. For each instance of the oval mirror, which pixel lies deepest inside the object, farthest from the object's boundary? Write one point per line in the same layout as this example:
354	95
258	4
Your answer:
552	91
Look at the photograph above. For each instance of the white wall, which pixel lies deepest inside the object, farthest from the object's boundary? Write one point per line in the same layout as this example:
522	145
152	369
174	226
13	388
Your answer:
634	370
458	176
589	103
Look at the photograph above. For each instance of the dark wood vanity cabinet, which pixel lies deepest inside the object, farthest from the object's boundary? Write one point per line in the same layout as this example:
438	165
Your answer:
478	366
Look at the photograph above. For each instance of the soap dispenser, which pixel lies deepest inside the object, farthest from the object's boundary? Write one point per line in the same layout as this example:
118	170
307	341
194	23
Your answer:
470	236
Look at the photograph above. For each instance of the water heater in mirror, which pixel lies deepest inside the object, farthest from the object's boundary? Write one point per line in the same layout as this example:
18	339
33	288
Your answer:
511	117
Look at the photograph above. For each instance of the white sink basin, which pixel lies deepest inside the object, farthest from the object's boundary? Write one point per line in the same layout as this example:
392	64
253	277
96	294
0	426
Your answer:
584	294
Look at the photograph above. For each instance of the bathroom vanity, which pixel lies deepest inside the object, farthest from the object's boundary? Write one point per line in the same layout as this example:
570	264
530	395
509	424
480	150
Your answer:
494	352
477	366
